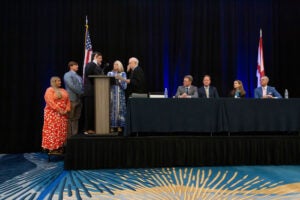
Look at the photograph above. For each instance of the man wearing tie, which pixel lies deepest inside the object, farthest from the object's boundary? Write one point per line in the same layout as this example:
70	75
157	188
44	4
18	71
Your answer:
187	90
208	91
92	68
74	86
265	91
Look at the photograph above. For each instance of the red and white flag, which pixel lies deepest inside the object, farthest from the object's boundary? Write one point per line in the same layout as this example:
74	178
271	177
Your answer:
88	50
260	60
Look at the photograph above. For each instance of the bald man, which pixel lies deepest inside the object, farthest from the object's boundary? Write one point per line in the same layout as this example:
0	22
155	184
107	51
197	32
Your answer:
265	91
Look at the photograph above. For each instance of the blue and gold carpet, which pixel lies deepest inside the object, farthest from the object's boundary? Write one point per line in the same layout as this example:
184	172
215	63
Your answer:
31	176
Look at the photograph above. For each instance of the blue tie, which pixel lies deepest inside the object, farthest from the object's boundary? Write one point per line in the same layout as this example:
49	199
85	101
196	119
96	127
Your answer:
186	90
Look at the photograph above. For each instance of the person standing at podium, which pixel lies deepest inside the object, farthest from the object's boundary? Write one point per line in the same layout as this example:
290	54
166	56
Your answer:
117	98
74	86
136	82
94	67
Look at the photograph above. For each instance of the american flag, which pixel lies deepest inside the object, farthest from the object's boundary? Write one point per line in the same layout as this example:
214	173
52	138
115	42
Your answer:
88	50
260	60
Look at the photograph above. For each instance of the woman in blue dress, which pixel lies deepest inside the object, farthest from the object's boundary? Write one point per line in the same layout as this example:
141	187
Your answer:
117	98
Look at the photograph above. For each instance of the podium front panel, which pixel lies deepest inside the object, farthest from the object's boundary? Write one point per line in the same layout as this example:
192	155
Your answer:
102	104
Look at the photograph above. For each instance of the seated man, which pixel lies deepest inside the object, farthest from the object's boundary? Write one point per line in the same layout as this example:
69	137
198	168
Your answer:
187	90
207	91
265	91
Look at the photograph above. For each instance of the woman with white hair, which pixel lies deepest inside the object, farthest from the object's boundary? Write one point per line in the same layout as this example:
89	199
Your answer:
54	134
117	98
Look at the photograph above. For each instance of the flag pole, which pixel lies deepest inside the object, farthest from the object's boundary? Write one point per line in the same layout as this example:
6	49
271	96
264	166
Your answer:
85	37
260	59
87	46
86	30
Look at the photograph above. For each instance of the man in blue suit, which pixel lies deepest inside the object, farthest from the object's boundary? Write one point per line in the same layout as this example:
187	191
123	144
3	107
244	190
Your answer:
265	91
74	86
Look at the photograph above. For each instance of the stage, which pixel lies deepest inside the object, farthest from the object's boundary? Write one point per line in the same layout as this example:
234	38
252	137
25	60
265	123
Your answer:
170	150
195	132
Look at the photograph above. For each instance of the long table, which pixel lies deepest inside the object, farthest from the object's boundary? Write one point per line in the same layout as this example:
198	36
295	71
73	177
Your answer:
212	115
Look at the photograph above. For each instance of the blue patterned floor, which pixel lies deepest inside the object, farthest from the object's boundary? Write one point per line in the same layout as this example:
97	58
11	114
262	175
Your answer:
31	176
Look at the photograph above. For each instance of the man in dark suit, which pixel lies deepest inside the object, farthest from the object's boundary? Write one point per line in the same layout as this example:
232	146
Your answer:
136	82
94	67
265	91
187	90
208	91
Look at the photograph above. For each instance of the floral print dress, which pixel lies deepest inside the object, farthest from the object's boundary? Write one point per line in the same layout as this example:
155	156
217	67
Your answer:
54	133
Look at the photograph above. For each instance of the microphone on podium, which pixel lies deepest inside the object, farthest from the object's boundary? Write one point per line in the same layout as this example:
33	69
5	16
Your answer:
105	66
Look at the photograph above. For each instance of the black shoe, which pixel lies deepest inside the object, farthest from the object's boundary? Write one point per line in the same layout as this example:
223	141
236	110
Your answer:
45	150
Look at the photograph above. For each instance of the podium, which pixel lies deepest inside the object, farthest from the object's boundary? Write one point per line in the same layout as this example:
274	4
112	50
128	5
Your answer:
102	103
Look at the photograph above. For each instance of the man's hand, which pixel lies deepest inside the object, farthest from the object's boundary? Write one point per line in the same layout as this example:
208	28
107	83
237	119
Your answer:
63	112
268	96
184	95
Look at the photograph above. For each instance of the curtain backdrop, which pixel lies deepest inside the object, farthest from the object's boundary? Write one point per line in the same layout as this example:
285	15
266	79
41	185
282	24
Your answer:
170	38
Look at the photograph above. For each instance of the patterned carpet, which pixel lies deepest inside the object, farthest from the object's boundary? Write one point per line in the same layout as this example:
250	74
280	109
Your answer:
31	176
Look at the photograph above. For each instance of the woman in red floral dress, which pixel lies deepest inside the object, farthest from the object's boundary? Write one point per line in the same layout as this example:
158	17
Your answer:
55	117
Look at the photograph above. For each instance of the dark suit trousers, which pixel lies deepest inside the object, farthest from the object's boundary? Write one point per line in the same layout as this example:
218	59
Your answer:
89	112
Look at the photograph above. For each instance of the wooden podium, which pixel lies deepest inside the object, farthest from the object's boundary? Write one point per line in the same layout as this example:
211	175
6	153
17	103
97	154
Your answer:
102	103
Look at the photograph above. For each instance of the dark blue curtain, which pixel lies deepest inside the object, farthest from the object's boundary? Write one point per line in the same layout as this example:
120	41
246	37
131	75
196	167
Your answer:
170	38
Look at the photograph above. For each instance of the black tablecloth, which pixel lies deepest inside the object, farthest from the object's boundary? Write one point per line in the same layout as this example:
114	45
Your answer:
212	115
262	114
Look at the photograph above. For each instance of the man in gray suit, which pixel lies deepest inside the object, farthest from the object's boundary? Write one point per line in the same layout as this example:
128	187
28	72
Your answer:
187	90
74	86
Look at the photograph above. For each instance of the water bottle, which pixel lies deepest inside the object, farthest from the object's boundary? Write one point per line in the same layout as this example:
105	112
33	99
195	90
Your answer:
166	93
286	94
